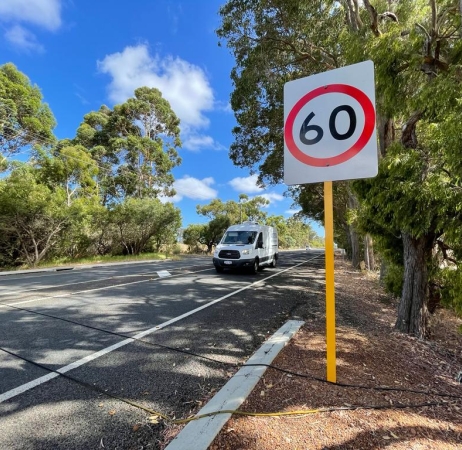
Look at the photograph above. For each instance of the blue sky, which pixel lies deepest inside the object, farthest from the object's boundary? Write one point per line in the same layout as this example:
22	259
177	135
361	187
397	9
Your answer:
83	54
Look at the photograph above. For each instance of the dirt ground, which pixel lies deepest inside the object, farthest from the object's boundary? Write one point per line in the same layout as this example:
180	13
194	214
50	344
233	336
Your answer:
421	407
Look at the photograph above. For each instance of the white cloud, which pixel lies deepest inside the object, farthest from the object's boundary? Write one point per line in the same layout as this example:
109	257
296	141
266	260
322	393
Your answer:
196	142
223	106
40	13
291	212
272	197
246	185
183	84
43	13
193	188
23	39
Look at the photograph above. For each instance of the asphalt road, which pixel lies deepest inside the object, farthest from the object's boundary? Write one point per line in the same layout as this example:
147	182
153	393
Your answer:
75	343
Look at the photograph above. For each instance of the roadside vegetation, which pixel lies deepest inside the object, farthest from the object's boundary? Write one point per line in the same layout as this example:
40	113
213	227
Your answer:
408	218
104	192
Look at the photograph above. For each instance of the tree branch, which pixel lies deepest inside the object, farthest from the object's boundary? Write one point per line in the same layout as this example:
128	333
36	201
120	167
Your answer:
408	136
374	18
444	250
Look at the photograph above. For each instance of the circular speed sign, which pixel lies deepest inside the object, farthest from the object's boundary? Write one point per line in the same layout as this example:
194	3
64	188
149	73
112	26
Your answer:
316	132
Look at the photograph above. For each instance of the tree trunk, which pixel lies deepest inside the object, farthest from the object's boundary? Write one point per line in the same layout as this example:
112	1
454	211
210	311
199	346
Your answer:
355	249
383	270
352	234
413	307
386	134
369	252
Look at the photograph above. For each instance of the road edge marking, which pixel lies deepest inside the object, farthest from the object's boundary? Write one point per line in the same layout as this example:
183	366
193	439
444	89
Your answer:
199	434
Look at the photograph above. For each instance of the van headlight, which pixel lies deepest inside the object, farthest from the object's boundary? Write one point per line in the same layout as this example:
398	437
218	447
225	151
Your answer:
245	252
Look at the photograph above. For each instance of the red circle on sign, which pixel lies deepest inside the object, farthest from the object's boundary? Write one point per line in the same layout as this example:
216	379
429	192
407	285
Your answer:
369	124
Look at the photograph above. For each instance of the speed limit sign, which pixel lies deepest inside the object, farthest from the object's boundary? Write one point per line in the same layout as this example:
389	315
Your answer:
329	126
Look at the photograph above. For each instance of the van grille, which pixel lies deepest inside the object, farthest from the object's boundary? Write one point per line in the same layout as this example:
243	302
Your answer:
229	254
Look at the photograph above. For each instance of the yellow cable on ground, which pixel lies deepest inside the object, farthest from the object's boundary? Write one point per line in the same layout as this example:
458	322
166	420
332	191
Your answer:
245	413
297	412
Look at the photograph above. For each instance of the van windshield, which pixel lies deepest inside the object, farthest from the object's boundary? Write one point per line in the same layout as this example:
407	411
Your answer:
239	237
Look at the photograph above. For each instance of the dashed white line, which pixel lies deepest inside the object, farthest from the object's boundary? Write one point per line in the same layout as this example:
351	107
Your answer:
113	286
164	273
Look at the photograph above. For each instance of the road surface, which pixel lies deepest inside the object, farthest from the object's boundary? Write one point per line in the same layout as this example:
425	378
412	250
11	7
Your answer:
166	335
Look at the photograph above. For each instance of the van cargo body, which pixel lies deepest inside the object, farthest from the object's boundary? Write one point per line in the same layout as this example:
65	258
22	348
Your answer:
247	245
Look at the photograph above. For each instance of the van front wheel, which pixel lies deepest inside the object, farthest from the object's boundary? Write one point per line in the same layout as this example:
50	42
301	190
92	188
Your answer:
255	266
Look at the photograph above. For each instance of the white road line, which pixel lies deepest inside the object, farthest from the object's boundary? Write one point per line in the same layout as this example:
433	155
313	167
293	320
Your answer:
198	435
4	305
38	381
142	274
164	273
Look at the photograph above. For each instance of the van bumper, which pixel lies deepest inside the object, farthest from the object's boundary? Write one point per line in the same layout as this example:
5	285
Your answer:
232	263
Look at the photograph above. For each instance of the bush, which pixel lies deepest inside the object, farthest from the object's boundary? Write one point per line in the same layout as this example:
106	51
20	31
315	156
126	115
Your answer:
393	279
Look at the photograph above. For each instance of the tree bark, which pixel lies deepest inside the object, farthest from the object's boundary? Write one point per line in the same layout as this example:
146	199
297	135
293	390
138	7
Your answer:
386	133
369	252
383	270
352	234
413	307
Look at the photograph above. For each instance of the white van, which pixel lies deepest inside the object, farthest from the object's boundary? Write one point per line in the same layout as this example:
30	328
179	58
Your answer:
247	245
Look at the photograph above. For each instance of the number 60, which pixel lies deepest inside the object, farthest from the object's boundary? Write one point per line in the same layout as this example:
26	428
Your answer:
306	128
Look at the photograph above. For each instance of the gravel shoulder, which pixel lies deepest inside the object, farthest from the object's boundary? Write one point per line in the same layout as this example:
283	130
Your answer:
370	354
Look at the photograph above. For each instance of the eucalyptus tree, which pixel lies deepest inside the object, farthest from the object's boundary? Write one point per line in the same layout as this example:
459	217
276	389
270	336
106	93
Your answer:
208	234
246	209
217	208
147	133
33	217
25	119
275	42
135	145
94	134
138	221
192	236
69	166
416	49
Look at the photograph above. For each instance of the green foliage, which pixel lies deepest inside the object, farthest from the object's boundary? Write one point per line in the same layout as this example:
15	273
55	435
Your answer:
417	56
137	221
32	217
24	118
393	279
69	166
206	234
214	231
95	194
451	280
135	145
237	212
192	236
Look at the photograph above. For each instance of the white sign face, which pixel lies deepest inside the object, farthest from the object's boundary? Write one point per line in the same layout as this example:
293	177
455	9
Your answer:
329	126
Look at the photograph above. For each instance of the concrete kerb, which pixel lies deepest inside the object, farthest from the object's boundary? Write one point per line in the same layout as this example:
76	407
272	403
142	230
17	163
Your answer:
199	434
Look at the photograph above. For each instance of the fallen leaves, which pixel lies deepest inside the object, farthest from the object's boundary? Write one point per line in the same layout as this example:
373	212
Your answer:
370	353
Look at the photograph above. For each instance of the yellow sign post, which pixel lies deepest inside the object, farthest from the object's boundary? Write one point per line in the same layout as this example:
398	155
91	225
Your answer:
330	135
330	288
